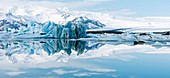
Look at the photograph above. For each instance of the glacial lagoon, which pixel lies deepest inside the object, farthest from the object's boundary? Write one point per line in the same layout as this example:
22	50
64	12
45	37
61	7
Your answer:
53	58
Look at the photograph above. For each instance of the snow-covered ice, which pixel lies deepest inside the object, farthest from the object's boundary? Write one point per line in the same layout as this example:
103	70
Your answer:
40	22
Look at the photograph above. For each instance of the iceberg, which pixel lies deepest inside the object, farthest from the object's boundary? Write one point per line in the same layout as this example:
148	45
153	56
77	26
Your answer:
32	29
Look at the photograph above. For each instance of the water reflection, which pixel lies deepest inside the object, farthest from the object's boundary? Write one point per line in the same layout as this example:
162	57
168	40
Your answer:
49	46
64	47
54	46
78	58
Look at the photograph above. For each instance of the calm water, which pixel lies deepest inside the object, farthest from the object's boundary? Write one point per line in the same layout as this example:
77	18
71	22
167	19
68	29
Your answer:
83	59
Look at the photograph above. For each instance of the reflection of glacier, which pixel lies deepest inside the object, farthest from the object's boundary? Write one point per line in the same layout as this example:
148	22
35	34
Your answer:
47	48
61	50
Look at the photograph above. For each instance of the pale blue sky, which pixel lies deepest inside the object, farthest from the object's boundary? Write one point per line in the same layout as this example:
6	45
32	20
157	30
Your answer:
131	7
141	7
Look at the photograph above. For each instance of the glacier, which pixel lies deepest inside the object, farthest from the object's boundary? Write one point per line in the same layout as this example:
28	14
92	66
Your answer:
20	27
32	22
32	29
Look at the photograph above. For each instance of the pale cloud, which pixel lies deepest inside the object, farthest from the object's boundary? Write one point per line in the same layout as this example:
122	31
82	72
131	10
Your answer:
77	4
123	12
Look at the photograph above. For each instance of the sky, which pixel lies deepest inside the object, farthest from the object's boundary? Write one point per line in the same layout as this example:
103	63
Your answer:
125	7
